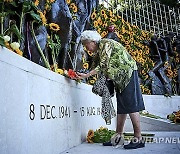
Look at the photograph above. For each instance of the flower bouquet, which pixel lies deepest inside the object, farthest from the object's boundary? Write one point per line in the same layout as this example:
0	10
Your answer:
174	117
100	135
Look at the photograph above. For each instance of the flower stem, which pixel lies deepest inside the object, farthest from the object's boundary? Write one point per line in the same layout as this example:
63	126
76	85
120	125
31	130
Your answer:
20	26
2	20
39	49
53	56
2	29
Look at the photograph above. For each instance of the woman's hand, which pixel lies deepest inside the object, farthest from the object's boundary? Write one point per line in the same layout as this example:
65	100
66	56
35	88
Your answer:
82	75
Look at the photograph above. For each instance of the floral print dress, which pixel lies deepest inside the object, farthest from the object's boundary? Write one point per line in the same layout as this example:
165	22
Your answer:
113	60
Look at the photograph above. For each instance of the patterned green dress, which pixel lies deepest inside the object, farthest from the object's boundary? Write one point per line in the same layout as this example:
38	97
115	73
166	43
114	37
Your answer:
113	60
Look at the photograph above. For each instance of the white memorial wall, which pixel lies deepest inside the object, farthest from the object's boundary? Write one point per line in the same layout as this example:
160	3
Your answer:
42	112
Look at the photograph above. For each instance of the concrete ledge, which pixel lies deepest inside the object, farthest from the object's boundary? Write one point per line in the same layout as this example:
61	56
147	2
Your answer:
150	124
161	105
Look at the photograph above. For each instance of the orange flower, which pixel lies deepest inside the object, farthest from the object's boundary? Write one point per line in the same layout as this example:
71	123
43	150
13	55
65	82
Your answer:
71	73
19	52
90	133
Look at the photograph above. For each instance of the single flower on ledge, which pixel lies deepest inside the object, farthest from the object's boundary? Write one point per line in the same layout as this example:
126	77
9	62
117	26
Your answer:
72	74
15	46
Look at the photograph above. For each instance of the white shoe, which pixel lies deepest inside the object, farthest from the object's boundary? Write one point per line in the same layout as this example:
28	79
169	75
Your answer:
117	140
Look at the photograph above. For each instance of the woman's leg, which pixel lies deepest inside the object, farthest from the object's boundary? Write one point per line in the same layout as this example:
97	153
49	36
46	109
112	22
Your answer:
135	118
120	123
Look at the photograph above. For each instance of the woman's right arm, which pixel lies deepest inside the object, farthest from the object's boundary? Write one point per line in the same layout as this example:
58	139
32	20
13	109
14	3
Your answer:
86	75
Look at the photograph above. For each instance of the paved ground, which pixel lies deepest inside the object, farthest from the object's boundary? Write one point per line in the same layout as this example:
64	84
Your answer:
163	143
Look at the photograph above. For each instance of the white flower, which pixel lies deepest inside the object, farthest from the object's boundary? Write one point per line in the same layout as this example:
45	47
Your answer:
66	72
138	7
6	38
120	7
15	45
145	112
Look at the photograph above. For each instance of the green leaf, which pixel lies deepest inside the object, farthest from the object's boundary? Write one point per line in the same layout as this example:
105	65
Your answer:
15	30
13	3
2	41
26	6
35	16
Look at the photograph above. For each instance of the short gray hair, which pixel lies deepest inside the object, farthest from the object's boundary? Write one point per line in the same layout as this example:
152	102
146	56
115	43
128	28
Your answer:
90	35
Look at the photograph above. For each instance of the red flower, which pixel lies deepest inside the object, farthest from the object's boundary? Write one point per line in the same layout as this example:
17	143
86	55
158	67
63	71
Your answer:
71	73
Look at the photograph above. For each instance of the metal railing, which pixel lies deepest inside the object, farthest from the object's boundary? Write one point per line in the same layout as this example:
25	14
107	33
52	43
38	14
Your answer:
148	15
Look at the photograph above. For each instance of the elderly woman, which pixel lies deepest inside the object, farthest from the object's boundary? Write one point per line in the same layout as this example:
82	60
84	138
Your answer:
113	60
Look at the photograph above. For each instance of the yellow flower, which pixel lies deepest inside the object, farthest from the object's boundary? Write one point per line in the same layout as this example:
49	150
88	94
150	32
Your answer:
101	128
54	27
36	3
99	21
43	17
127	42
95	24
19	52
7	45
177	60
166	64
105	16
123	30
93	15
85	65
60	71
92	81
110	13
74	7
103	34
103	12
90	53
94	78
68	1
74	17
99	30
47	7
105	25
113	19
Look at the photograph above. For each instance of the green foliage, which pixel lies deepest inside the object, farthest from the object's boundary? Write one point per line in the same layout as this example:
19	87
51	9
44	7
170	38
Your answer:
1	41
150	115
103	135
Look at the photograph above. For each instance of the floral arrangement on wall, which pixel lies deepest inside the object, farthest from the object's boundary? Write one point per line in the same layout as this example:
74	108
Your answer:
12	36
